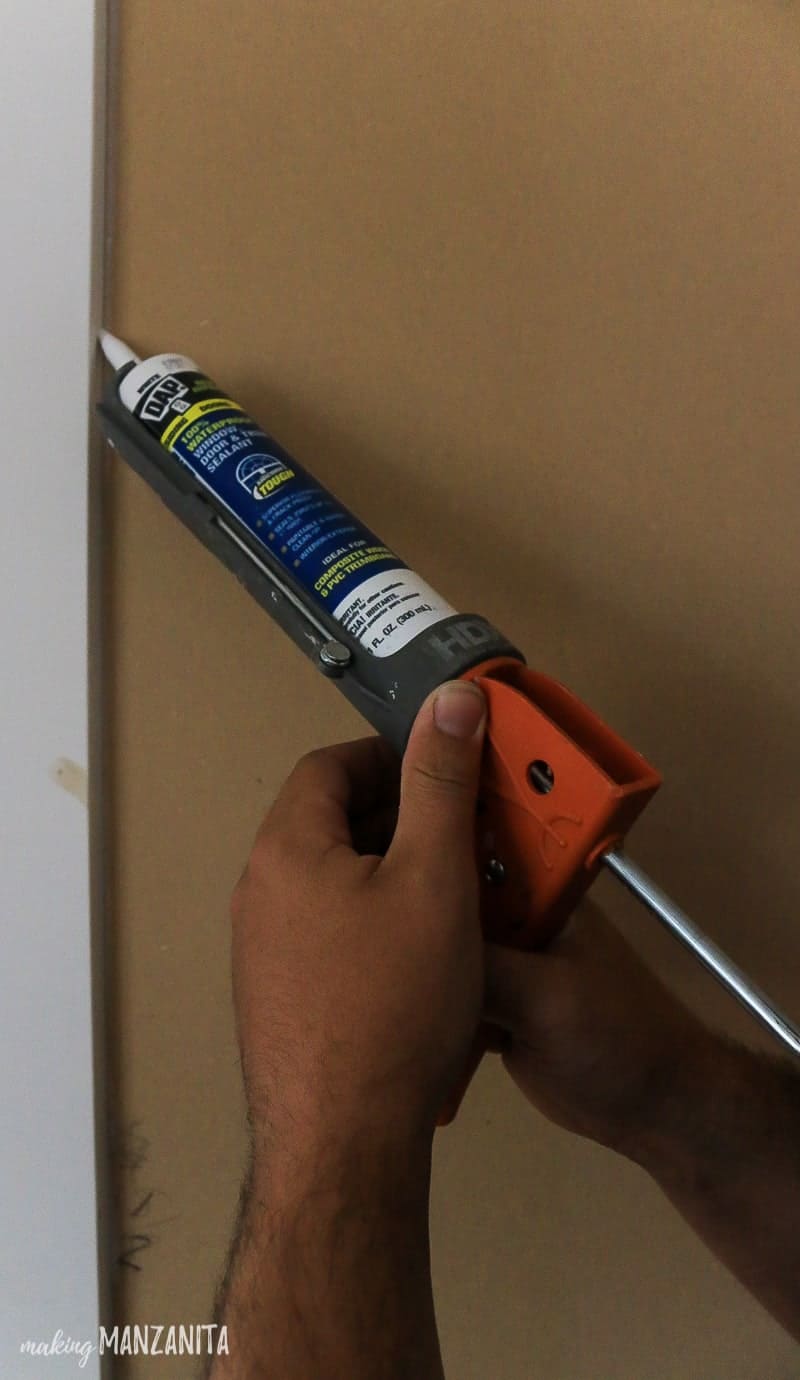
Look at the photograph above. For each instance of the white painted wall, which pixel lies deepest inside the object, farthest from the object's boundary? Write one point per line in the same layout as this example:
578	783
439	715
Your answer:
48	1234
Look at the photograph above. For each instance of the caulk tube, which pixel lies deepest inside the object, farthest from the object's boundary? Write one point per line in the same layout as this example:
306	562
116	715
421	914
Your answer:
342	573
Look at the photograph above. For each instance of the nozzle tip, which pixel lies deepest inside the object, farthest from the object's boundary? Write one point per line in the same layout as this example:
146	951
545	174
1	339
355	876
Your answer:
116	351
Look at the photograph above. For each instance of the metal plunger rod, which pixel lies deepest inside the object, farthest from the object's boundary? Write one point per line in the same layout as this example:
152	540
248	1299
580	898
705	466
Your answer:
723	968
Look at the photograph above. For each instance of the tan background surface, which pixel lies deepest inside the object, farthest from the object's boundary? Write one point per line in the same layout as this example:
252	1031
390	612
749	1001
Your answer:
520	282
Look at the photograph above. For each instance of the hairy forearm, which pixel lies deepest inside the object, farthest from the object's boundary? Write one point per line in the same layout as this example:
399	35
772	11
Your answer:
330	1273
727	1154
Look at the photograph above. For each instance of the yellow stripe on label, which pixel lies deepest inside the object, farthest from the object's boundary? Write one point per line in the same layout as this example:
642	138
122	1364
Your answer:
199	409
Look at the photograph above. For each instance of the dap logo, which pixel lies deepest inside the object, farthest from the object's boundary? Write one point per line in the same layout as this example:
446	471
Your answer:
167	394
260	474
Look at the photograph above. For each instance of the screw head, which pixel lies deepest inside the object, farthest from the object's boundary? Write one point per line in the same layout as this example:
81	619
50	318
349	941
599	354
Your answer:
494	872
541	776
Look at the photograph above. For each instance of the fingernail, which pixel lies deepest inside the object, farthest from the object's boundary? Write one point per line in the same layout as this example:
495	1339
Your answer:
459	708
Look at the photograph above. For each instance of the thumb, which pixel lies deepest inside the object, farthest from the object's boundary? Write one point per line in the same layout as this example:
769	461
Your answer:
439	778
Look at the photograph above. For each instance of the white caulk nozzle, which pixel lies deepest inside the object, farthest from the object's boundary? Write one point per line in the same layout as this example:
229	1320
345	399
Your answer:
116	351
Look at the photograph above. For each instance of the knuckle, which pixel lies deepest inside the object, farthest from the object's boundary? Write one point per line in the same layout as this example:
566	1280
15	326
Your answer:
438	777
271	857
316	757
304	771
271	851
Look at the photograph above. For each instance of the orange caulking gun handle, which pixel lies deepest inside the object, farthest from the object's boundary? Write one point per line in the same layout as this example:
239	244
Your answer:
558	789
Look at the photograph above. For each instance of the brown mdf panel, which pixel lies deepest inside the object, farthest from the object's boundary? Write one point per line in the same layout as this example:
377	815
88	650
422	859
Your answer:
520	283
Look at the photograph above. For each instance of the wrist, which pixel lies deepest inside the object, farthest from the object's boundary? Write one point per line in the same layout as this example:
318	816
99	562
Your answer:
300	1127
697	1123
364	1167
333	1259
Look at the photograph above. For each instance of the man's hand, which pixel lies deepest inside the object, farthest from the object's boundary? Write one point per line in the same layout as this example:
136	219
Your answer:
601	1047
593	1039
358	984
358	978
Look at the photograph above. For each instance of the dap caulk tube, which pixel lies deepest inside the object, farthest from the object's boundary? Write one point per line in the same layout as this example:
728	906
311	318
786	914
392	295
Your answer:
346	598
339	563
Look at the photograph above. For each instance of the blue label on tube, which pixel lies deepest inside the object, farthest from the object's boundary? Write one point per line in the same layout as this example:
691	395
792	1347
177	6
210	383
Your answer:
340	563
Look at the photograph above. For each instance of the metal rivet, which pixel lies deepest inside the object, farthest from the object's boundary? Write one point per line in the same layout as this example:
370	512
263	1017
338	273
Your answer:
494	872
334	656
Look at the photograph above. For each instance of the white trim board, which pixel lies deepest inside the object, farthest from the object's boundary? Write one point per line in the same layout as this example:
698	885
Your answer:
50	77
